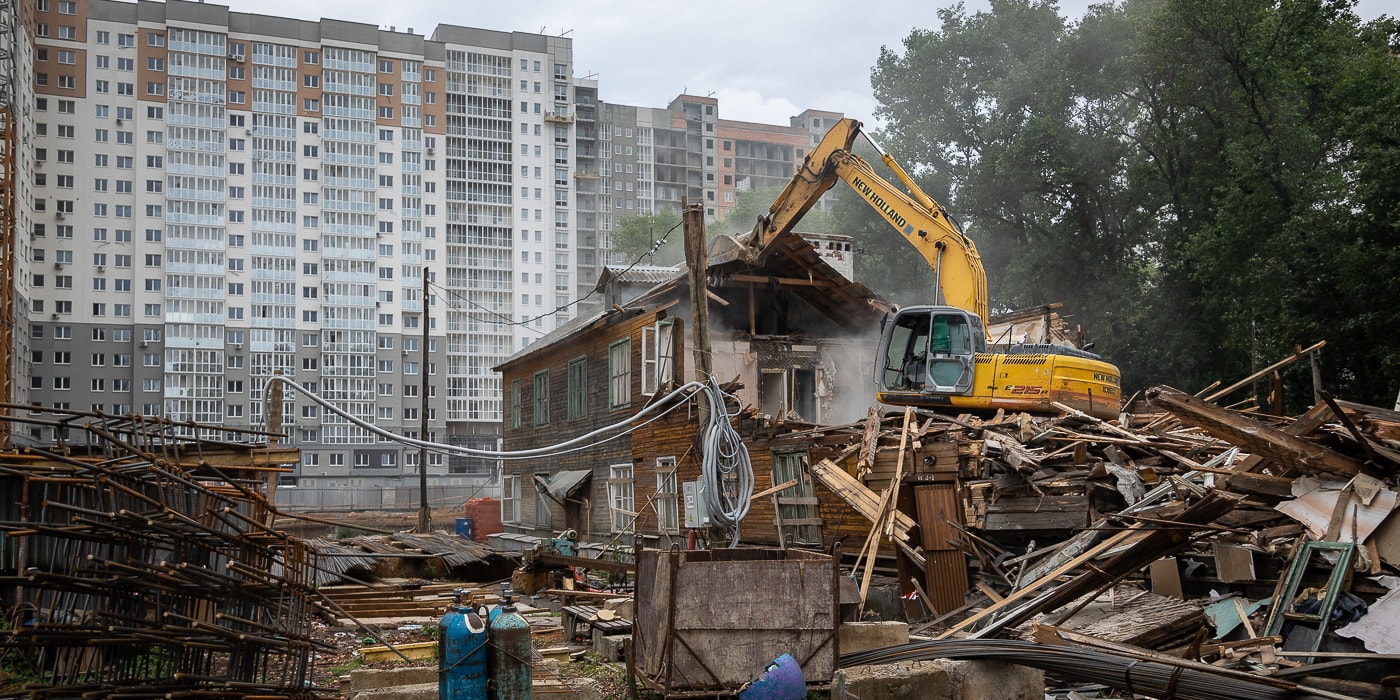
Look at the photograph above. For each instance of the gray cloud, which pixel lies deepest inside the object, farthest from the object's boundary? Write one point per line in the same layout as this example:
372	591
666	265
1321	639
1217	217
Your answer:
765	61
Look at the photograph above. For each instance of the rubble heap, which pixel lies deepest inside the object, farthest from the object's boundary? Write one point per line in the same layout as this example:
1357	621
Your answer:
1205	534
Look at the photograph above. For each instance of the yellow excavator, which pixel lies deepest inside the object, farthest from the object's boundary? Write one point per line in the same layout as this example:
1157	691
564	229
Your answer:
936	356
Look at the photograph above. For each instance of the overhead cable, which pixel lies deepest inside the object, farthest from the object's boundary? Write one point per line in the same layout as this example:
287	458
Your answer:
661	407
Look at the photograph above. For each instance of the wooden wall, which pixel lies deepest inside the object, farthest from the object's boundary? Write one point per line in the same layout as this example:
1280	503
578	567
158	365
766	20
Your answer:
591	343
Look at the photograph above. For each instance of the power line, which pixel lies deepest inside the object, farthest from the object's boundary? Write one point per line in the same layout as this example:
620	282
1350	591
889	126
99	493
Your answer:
660	406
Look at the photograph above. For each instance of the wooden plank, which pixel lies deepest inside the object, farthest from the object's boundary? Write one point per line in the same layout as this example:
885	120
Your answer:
774	489
1023	593
868	442
1255	437
937	509
860	498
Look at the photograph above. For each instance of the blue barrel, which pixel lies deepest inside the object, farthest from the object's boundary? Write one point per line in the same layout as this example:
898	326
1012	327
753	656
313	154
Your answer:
462	656
466	528
510	656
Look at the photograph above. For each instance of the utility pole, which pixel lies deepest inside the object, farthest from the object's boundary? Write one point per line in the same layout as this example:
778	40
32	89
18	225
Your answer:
697	267
274	427
425	511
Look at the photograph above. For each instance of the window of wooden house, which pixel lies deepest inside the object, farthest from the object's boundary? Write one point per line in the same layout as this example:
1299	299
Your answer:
797	505
544	516
542	397
667	496
577	406
515	403
510	498
621	502
657	356
620	373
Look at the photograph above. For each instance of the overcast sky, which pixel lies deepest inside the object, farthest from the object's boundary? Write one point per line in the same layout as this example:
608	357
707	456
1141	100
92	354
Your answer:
763	60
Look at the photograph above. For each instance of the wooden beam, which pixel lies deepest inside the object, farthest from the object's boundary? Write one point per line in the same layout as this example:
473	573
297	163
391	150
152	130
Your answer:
1256	437
1216	396
782	281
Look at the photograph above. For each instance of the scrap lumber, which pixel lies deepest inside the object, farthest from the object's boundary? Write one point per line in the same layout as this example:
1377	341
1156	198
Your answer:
873	419
1292	452
1298	355
863	500
1159	541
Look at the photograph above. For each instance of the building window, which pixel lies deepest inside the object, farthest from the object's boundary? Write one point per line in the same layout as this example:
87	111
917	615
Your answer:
542	397
657	360
620	373
577	406
667	496
620	499
515	403
797	505
510	499
544	515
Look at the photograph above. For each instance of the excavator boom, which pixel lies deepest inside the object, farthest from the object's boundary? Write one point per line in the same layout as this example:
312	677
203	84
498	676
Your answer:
936	356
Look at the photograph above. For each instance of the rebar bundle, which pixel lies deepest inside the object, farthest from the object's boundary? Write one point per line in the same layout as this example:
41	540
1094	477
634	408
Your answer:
1132	675
138	562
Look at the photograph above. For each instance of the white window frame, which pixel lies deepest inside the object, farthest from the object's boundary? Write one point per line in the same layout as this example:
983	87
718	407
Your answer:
510	499
668	520
622	502
658	356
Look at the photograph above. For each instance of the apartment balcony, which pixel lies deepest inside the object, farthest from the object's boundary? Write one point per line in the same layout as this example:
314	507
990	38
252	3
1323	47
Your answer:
559	117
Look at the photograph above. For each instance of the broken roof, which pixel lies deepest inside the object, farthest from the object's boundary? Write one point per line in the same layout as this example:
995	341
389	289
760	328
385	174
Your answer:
789	259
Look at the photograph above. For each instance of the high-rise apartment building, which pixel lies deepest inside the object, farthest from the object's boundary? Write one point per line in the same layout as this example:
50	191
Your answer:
221	196
214	197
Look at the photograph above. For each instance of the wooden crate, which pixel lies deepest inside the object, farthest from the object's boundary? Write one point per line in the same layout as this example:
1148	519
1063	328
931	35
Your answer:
710	621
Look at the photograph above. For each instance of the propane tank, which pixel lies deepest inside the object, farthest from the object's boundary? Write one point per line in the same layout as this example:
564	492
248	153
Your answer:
510	655
462	655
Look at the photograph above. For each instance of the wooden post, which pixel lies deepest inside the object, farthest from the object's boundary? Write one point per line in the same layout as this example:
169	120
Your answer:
1315	358
425	511
274	426
696	268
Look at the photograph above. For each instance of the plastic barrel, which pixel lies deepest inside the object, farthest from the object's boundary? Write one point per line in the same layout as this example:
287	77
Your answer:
510	656
466	528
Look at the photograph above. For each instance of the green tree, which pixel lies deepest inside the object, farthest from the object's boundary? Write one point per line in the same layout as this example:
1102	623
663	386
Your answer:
1204	183
1014	118
636	238
1274	131
755	203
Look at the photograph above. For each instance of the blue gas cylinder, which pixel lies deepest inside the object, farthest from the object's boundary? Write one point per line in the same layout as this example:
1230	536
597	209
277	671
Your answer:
510	655
462	656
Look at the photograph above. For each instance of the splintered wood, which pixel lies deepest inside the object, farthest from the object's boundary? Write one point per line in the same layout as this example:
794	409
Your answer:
1072	521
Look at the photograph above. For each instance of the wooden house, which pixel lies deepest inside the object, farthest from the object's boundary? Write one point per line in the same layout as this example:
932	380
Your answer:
795	336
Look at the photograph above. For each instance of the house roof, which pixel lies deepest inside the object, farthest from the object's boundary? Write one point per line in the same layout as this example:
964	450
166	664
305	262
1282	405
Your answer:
790	260
638	274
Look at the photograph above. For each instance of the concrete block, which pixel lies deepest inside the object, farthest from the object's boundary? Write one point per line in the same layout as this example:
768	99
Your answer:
905	680
421	691
624	607
994	680
861	636
367	678
578	689
609	646
945	680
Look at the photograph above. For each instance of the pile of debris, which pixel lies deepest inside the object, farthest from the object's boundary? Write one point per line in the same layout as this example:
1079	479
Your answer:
1216	538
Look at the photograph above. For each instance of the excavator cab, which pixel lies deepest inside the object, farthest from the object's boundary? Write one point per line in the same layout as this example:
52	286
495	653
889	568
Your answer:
927	350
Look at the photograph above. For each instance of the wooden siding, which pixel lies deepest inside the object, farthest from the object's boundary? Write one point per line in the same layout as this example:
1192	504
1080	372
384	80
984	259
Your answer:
591	343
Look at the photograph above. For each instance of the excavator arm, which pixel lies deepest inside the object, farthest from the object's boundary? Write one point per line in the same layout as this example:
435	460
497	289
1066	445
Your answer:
916	216
935	356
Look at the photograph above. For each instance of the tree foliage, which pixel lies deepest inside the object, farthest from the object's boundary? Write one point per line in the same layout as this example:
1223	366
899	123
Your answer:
652	239
1204	183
